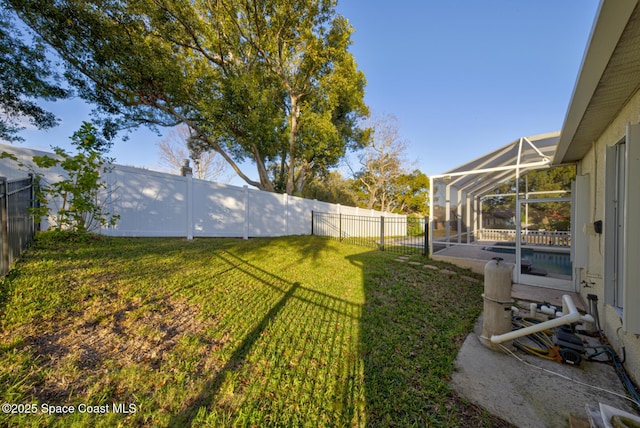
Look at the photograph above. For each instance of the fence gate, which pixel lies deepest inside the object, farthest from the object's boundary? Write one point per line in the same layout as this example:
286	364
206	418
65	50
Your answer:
17	226
402	234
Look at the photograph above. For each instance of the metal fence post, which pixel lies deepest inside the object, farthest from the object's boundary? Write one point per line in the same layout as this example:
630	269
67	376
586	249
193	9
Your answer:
32	201
426	236
312	216
4	224
382	233
340	227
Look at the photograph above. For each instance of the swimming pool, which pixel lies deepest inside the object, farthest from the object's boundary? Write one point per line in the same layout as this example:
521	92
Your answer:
551	261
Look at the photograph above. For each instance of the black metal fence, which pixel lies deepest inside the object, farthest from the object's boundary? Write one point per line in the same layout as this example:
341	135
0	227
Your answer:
17	226
406	235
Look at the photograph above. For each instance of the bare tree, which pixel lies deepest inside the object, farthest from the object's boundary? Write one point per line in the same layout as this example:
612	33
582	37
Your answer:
381	163
207	165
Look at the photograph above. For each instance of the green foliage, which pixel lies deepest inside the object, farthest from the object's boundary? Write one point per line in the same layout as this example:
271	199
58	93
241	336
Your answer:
81	202
412	193
407	193
267	80
415	225
25	75
5	155
541	215
332	188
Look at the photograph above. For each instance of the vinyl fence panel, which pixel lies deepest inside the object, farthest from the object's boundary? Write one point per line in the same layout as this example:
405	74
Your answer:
152	203
148	203
218	209
299	215
266	211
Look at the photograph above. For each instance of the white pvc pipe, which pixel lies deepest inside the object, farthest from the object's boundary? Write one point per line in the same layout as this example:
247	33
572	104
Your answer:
549	310
572	316
533	308
587	318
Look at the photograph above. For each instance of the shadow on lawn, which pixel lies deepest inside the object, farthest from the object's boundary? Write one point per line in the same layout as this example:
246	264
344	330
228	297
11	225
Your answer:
413	322
307	357
377	352
284	370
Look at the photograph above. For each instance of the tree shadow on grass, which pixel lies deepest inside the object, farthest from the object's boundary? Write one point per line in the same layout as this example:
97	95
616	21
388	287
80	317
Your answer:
236	361
294	361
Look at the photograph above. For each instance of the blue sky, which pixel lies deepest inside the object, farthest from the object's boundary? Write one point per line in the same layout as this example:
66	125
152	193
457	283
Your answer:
462	77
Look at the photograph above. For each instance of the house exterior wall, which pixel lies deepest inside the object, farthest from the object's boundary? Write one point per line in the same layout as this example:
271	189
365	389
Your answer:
593	164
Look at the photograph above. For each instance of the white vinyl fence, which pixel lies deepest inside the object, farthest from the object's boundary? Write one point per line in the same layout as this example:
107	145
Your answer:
156	204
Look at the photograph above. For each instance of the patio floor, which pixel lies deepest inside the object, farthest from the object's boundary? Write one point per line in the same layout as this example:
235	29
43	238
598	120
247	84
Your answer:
528	391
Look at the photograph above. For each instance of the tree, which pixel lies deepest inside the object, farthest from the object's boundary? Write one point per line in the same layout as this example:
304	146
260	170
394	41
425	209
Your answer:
332	188
266	80
412	193
549	215
541	215
25	76
174	149
381	164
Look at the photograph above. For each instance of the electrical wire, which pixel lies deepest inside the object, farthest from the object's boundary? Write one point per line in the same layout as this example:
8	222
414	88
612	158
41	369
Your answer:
617	364
547	350
614	361
636	402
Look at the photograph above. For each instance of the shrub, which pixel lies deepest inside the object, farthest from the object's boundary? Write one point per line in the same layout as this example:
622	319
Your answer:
81	195
415	226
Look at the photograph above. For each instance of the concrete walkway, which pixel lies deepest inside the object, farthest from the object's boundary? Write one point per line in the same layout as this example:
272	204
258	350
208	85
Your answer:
522	389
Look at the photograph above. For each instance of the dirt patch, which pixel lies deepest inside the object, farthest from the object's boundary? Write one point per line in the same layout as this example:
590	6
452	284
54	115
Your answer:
105	335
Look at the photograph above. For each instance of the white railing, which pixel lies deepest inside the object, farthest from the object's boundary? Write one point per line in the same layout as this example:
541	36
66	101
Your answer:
549	238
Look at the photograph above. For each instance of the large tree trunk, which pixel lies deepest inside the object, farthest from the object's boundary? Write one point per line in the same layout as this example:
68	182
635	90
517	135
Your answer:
303	176
293	121
262	170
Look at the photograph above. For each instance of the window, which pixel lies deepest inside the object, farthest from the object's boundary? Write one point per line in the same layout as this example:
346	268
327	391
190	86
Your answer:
622	228
614	225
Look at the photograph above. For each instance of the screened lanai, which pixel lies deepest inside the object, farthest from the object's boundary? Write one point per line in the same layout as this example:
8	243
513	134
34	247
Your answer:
510	203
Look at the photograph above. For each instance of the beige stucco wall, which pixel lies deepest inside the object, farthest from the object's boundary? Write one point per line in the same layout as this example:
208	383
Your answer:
594	165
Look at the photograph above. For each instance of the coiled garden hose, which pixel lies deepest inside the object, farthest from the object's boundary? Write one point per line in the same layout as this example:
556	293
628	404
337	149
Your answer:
543	339
544	347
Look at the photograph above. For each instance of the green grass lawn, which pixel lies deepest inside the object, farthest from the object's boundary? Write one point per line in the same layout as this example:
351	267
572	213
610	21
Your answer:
296	331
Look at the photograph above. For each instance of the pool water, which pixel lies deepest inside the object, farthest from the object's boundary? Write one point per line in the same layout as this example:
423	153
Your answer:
552	262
